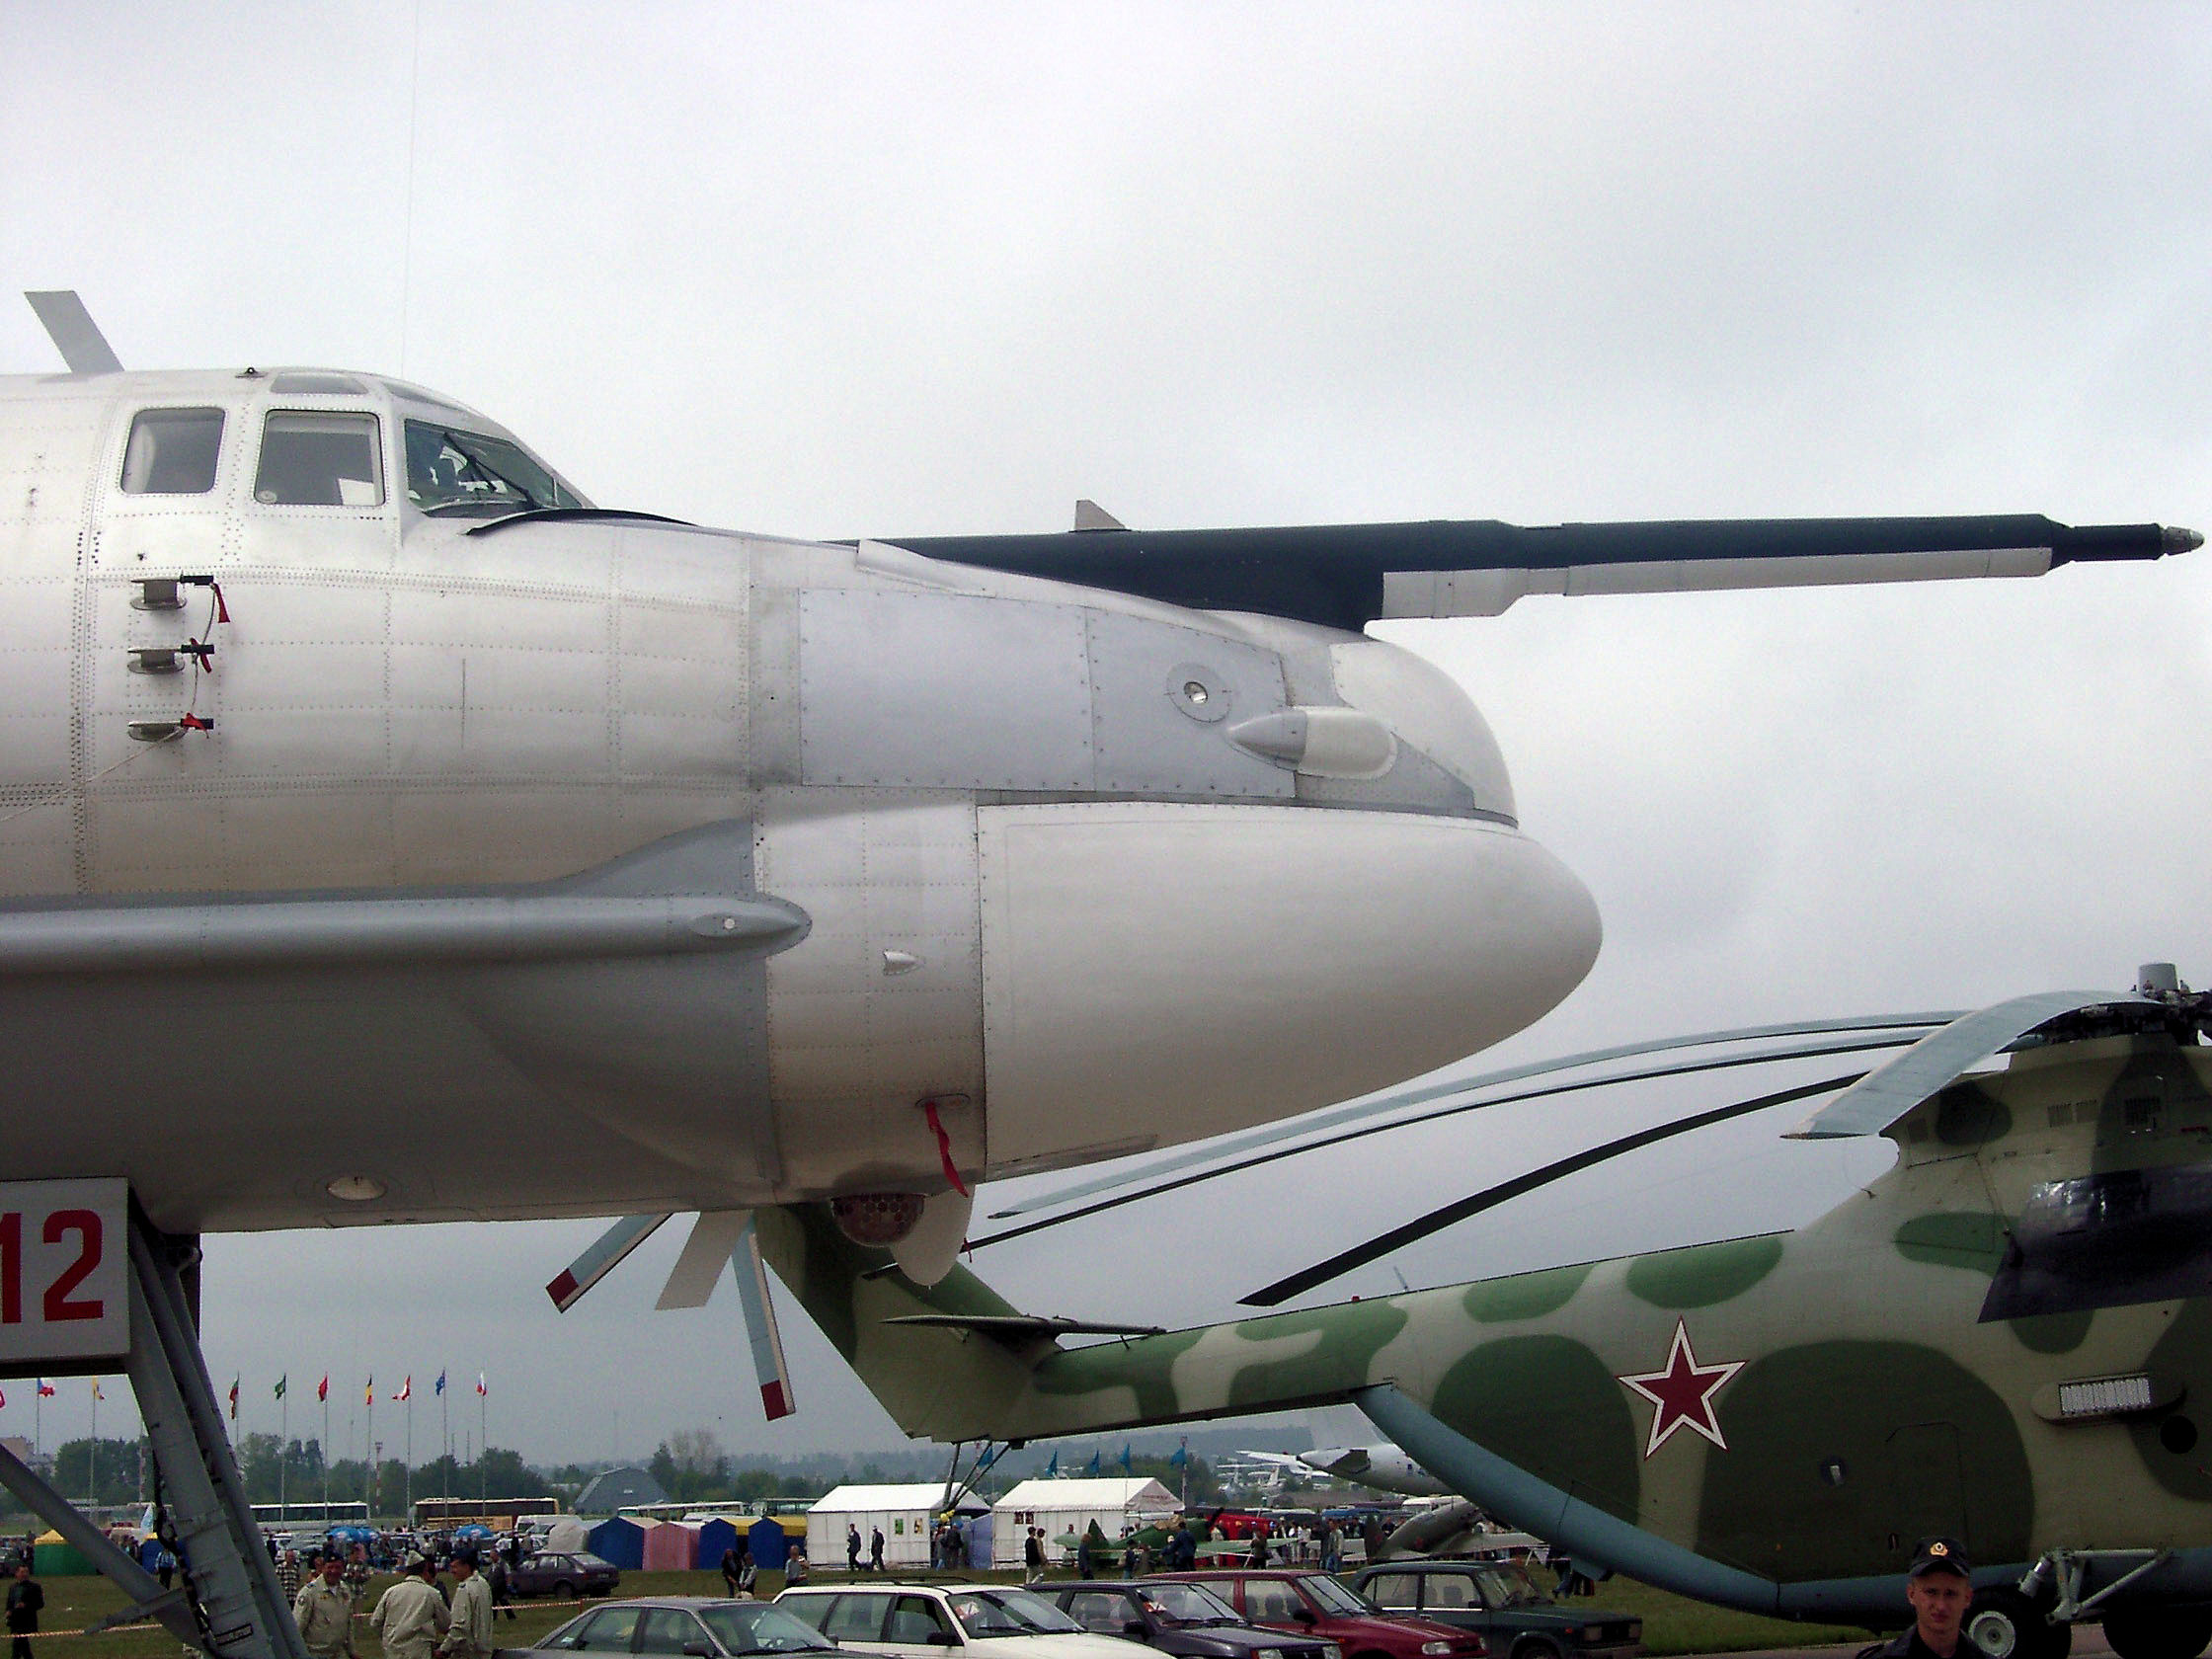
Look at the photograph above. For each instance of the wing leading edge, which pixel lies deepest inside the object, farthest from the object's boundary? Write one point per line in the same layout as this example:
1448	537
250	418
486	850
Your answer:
1346	576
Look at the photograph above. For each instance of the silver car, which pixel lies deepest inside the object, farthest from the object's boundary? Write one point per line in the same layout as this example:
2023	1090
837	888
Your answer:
701	1626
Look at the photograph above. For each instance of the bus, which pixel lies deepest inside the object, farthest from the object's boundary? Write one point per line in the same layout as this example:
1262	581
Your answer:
301	1512
500	1514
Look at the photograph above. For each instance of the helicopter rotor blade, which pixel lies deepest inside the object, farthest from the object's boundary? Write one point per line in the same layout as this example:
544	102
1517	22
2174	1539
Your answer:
1421	1226
602	1258
1134	1194
1458	1087
1938	1058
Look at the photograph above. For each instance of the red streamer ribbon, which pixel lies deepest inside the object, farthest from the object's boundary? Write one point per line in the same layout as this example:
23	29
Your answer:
944	1148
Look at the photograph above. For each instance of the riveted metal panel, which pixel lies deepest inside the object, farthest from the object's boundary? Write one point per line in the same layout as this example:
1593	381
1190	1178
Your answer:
1150	731
935	690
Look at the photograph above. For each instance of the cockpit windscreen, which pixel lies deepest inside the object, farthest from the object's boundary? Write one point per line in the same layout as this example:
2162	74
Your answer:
463	474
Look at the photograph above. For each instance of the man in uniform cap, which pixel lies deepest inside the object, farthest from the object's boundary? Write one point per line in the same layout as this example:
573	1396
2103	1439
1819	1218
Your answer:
324	1610
1940	1589
411	1616
471	1636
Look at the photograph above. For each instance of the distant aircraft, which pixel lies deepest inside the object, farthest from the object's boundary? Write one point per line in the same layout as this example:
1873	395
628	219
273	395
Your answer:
1383	1467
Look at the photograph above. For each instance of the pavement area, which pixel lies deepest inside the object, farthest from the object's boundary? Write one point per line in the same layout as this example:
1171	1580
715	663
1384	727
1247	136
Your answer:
2088	1643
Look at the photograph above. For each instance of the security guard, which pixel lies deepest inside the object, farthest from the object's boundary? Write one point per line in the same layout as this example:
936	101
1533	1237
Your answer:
1940	1588
411	1616
471	1634
324	1610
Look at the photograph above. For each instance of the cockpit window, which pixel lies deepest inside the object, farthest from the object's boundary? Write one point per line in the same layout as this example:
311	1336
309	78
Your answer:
319	460
173	452
466	474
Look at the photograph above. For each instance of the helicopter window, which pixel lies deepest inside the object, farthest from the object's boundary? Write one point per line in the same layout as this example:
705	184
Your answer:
466	474
2108	1240
172	452
319	460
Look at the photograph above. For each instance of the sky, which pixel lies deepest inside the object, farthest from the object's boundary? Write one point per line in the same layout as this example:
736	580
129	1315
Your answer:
894	270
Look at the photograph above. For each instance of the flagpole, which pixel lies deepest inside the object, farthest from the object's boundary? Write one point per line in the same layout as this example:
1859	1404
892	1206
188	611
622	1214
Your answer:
445	1433
284	1447
92	1455
326	1448
483	1445
368	1398
407	1486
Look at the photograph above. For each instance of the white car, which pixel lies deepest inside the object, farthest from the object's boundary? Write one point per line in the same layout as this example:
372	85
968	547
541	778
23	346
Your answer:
922	1620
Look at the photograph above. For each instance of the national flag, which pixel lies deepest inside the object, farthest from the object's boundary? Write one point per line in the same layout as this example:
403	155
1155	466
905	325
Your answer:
368	1390
1092	1467
441	1382
95	1394
3	1400
281	1381
45	1389
234	1399
322	1389
406	1390
1180	1458
1126	1469
481	1391
1052	1470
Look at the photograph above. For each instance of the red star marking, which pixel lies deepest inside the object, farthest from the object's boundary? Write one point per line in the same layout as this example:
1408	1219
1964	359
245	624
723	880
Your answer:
1681	1393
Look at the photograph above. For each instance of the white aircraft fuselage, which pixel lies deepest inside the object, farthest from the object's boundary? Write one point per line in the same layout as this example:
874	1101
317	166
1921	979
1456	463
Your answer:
501	863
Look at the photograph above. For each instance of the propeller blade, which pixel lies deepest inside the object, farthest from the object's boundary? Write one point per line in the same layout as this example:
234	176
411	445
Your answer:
714	1235
1272	1135
1490	1197
602	1258
761	1335
1677	1069
1935	1062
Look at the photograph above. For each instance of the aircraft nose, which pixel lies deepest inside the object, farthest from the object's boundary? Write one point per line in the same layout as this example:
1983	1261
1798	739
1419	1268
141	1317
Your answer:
1157	972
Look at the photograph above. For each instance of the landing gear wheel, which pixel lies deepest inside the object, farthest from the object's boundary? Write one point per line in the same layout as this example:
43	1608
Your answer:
2158	1632
2006	1624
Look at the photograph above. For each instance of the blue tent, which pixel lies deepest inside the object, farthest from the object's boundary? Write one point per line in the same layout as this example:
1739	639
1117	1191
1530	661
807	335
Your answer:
770	1545
976	1529
619	1539
715	1537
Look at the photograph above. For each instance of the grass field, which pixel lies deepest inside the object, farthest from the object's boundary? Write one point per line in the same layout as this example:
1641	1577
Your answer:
1672	1624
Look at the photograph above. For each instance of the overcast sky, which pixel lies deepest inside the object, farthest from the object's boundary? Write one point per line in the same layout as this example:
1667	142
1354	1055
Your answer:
882	269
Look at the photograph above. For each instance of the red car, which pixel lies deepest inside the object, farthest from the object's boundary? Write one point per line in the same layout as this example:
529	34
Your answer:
1315	1604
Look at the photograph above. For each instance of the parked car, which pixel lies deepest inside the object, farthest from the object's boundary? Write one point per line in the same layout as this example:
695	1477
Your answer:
1313	1603
1181	1619
702	1626
1517	1616
563	1576
922	1620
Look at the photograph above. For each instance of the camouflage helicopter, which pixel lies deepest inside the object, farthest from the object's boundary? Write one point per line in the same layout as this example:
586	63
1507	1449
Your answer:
2007	1339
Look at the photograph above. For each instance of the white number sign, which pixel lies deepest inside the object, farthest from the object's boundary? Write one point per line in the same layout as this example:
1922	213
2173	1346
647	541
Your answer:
63	1261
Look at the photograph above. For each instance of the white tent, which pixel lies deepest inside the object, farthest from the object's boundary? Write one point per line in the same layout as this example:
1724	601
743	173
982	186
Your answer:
905	1514
1071	1506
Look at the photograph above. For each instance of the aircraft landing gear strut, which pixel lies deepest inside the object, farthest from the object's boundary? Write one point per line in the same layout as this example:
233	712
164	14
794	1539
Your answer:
230	1605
